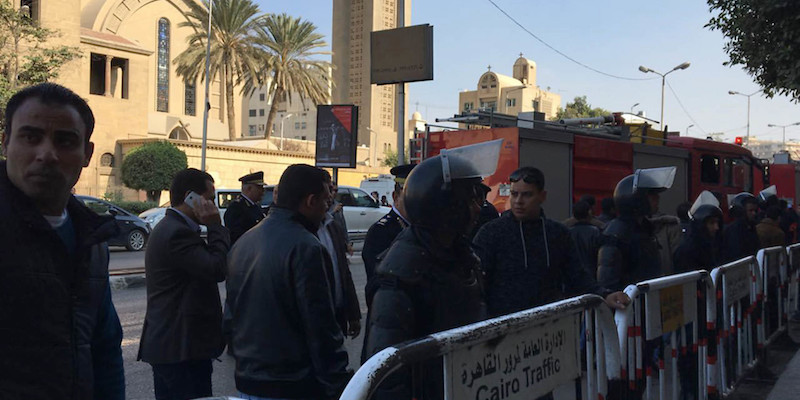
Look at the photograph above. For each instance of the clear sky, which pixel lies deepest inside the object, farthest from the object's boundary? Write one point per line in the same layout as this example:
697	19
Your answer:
613	36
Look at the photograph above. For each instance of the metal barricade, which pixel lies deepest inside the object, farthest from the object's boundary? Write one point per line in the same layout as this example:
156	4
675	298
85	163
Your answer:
738	289
518	356
774	279
668	313
793	268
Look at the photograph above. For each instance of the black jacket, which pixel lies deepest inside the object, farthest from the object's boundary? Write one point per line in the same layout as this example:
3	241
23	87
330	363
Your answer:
629	254
697	250
59	333
242	215
350	309
284	334
422	289
587	238
379	237
739	240
527	264
184	315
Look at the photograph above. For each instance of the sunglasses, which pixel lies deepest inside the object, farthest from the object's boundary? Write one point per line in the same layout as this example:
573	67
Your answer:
525	177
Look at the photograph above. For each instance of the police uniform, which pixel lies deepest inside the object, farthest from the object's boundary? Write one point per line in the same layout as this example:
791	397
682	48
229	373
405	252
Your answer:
381	235
242	214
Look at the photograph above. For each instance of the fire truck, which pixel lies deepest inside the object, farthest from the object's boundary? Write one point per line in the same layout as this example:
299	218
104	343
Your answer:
589	156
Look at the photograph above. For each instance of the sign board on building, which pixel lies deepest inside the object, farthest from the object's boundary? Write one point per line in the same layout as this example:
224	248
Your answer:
522	365
337	130
401	55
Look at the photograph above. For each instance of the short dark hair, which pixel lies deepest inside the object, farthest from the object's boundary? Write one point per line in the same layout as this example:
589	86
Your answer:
530	175
607	204
589	199
190	179
299	181
50	94
773	212
580	210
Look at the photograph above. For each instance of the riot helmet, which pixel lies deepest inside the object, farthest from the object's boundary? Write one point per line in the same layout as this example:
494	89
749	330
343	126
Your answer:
630	195
768	197
706	206
440	190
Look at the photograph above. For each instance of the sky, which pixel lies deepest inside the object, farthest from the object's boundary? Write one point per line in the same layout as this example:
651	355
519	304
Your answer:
613	36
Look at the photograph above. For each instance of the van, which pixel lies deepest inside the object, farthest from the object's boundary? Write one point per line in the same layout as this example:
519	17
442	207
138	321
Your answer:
383	184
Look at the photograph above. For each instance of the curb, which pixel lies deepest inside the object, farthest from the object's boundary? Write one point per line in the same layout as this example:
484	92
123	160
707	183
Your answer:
118	282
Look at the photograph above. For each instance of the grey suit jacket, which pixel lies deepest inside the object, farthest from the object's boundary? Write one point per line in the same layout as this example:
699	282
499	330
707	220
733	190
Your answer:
184	316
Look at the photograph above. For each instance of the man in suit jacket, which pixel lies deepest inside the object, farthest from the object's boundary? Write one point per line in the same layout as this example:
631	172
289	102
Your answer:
245	212
182	329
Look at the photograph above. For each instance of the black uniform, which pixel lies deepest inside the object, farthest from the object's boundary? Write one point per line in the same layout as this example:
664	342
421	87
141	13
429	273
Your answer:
242	215
379	237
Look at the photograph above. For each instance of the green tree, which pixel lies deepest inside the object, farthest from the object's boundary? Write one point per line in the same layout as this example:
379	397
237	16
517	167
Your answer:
763	38
580	108
151	168
292	43
235	53
25	57
390	158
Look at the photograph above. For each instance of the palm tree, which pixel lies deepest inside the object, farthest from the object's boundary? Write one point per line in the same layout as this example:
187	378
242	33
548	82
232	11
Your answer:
235	52
292	43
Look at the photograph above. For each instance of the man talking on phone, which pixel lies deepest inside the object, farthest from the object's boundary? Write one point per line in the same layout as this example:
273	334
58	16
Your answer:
182	329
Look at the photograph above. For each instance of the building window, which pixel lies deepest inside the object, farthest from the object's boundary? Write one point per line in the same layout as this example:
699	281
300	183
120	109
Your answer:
189	98
252	113
303	125
97	74
162	66
107	160
261	96
536	105
511	102
302	138
261	112
296	125
30	9
467	106
252	129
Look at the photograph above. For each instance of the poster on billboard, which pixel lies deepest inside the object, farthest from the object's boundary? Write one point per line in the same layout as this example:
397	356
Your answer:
337	133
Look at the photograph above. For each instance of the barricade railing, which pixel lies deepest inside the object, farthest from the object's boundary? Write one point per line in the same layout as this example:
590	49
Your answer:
738	294
793	267
518	356
669	313
774	279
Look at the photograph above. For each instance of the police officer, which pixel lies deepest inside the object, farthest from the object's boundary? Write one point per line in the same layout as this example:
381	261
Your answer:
740	238
382	233
245	212
428	280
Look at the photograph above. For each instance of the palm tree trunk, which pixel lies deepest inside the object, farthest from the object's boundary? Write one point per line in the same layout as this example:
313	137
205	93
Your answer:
273	109
229	101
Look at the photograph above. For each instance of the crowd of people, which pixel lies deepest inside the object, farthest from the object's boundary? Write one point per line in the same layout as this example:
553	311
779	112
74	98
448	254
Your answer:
442	257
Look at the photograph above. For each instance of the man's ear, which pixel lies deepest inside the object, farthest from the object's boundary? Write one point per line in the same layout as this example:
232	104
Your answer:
544	196
87	154
309	200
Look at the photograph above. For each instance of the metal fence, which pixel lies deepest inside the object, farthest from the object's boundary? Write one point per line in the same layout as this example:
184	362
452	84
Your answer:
518	356
774	278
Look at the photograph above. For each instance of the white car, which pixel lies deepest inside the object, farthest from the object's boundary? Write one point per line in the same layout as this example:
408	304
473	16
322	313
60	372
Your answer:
360	210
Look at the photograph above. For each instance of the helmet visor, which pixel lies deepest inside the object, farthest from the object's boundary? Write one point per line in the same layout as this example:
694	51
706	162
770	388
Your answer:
705	198
473	161
767	193
654	178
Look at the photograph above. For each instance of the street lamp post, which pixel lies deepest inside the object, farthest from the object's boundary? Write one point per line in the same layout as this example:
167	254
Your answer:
733	92
784	131
283	119
373	150
687	129
636	104
206	104
663	81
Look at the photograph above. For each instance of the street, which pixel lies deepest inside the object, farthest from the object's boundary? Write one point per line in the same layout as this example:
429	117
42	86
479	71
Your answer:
131	303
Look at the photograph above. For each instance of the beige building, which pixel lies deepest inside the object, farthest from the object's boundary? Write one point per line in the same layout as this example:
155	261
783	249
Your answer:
510	94
353	20
127	75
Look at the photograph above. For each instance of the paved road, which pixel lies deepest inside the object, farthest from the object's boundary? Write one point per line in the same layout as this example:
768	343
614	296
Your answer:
131	302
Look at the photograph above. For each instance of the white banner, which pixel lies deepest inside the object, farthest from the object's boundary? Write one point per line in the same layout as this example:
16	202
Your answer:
521	365
737	283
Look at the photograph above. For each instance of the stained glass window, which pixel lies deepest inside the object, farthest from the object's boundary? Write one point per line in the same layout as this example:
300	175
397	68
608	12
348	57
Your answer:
189	98
162	68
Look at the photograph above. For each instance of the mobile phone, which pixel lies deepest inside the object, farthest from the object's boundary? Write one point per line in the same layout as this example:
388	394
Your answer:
193	199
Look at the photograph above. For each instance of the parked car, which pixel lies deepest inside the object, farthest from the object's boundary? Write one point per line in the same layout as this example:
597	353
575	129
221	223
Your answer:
360	210
133	230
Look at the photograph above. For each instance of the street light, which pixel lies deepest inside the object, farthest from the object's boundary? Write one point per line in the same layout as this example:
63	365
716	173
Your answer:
733	92
633	106
206	104
283	119
663	79
687	129
373	150
784	131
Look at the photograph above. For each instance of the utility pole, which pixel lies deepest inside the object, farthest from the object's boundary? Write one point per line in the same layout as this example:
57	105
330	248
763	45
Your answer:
401	95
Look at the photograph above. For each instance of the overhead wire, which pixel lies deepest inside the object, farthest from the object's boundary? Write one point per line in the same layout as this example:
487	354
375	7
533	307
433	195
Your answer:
697	125
560	52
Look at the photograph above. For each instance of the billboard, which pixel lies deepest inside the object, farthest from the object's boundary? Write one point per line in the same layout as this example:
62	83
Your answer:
401	55
337	133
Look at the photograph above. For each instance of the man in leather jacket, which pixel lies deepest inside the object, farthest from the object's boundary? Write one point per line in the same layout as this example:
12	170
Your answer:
428	280
284	334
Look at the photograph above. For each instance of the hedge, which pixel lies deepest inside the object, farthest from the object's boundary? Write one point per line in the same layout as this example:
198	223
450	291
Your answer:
135	207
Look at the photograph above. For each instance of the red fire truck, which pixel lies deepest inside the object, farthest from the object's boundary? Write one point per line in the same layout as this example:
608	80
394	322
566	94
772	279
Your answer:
579	160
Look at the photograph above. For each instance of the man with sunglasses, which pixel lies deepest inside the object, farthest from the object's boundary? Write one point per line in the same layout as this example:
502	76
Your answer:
528	259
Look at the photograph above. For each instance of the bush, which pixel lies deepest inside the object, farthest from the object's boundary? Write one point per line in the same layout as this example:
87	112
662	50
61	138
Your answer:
134	207
151	167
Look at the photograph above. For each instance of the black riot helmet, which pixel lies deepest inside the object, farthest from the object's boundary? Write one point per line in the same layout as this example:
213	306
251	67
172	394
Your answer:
737	204
706	206
630	195
440	190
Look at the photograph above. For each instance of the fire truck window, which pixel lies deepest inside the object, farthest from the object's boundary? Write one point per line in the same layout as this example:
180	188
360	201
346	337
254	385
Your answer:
737	174
709	169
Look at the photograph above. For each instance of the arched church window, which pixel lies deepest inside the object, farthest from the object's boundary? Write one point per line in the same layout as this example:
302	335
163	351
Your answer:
107	160
162	67
178	133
